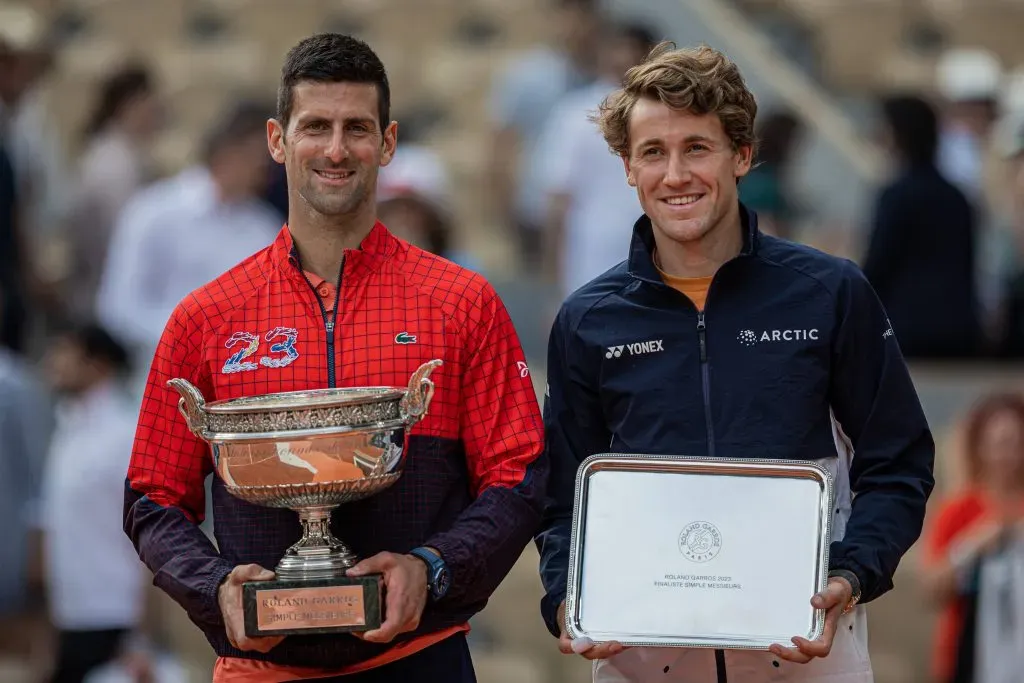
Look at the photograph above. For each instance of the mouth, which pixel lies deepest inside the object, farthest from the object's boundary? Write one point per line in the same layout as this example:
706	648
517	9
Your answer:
683	201
333	177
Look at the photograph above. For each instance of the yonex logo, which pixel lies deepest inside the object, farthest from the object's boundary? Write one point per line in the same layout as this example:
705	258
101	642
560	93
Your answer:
750	337
635	349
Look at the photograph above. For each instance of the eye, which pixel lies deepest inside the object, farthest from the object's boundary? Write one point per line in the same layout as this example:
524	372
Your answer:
316	126
651	151
699	147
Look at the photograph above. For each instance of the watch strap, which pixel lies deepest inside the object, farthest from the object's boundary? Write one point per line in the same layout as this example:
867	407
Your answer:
854	582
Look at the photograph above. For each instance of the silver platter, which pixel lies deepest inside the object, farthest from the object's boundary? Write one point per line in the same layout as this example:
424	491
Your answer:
698	552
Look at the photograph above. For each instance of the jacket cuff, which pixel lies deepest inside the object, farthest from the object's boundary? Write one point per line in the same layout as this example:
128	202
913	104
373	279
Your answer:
210	609
549	611
867	587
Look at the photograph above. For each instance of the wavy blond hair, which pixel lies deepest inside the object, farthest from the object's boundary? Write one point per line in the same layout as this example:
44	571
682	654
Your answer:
700	80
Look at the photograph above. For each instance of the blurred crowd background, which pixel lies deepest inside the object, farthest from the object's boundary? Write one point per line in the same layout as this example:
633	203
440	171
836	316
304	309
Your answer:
133	168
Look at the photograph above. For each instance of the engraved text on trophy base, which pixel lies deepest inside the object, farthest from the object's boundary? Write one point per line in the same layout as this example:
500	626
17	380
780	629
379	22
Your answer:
303	608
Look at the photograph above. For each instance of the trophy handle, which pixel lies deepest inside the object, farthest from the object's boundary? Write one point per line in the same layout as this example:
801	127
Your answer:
190	405
421	390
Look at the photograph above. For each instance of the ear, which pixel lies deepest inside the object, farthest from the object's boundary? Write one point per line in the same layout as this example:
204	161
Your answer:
743	159
275	140
630	178
389	143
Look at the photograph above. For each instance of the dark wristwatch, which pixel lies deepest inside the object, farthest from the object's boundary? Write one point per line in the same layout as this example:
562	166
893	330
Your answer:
854	582
438	577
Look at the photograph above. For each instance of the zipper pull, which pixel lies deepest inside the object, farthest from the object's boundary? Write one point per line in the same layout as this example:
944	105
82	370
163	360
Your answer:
330	327
700	335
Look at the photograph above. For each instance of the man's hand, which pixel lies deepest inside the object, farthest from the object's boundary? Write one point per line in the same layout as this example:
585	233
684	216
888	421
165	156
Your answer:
405	581
229	596
584	646
834	600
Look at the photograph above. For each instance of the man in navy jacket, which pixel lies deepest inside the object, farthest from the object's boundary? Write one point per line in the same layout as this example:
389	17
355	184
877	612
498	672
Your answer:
713	339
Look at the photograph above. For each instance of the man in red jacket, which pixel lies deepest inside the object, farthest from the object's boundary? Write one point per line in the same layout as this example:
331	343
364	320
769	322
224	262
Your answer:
337	300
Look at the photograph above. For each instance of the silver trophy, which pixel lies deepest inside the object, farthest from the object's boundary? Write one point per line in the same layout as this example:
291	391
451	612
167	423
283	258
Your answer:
310	451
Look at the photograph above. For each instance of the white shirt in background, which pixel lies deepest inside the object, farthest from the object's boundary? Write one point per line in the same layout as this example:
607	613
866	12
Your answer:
172	238
94	574
603	207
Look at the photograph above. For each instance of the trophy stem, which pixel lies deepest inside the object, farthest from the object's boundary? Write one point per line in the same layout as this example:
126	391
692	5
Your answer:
318	554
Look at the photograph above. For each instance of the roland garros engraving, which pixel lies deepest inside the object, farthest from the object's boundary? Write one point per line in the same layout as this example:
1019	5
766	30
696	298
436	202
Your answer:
700	541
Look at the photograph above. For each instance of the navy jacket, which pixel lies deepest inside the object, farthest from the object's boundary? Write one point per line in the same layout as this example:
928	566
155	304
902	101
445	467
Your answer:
788	338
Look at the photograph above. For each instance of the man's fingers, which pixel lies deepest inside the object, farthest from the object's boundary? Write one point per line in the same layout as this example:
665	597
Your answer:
377	564
603	650
789	654
250	572
565	644
813	648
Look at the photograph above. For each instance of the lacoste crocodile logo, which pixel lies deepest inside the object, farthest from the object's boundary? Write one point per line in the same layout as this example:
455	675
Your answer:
405	338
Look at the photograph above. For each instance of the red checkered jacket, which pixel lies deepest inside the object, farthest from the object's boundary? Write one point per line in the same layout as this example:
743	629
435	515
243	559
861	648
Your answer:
474	480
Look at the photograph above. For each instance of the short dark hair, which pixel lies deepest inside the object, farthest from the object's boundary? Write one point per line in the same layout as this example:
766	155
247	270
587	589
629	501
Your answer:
99	345
914	125
332	58
243	119
119	87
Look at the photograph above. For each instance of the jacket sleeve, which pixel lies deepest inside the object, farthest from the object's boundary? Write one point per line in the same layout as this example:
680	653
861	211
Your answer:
500	427
164	492
574	430
875	403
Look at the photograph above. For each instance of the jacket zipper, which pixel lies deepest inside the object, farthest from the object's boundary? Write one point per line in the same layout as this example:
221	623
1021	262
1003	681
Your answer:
329	321
705	382
706	386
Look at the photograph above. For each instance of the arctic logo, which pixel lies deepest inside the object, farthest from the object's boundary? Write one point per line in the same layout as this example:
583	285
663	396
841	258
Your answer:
635	349
749	337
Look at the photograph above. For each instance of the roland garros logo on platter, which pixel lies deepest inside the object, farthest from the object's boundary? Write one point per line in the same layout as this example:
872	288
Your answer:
700	541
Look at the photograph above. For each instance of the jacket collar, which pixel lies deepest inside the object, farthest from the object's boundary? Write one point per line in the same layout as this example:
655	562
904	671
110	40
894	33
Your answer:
641	248
376	248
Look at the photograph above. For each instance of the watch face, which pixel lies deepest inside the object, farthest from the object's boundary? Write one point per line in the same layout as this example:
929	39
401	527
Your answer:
442	582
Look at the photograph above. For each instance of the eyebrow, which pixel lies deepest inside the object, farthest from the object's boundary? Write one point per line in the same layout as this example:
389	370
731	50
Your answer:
689	139
309	118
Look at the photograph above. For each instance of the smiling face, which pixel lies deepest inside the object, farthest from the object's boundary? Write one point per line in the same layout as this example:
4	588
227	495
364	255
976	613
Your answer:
684	168
333	146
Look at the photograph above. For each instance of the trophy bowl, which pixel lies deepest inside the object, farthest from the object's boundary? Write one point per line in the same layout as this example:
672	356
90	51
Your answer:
310	451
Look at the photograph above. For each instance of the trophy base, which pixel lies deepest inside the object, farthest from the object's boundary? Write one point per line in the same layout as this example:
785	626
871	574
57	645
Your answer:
312	606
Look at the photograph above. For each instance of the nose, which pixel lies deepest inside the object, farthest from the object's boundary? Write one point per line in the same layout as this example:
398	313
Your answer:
336	151
677	171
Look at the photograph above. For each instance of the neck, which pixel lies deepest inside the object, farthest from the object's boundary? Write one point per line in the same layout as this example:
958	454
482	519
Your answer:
703	257
322	240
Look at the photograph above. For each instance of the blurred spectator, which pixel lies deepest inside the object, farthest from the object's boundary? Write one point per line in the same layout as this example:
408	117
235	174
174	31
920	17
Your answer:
12	301
33	140
414	202
969	82
1012	343
22	144
180	233
94	578
921	255
113	167
765	189
522	99
25	426
591	208
974	536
